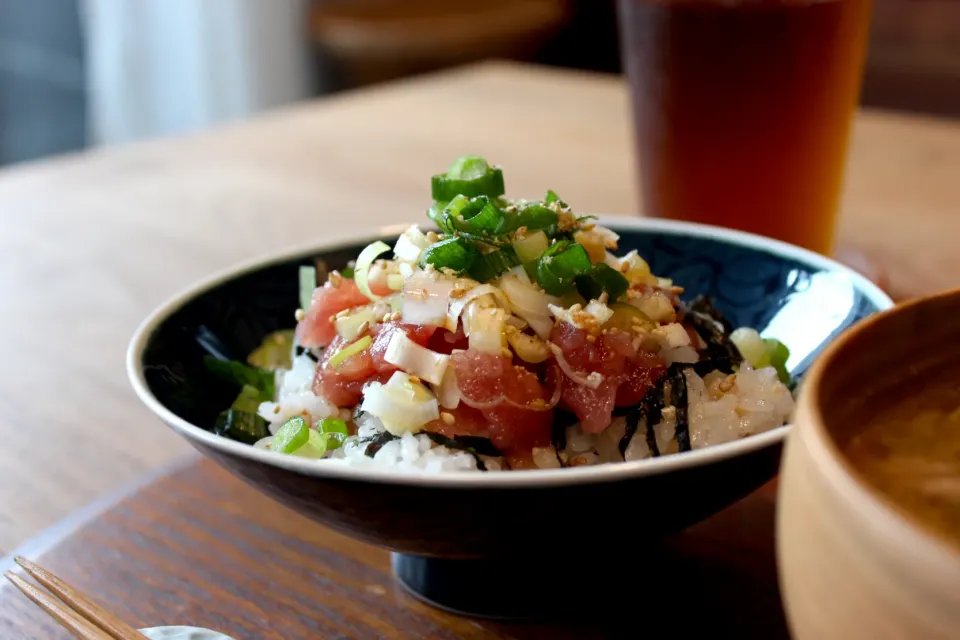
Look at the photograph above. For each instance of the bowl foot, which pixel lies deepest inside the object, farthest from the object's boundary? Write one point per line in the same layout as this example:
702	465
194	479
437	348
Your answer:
499	588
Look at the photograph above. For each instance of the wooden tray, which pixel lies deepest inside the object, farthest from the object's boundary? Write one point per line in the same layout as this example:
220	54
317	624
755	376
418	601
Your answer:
195	546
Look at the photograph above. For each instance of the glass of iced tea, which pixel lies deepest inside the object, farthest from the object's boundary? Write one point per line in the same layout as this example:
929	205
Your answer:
742	110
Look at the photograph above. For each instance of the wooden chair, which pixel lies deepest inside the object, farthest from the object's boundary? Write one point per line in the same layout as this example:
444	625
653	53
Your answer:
377	40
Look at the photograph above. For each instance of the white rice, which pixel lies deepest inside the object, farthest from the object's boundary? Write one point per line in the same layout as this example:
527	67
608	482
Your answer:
295	396
754	401
408	453
757	401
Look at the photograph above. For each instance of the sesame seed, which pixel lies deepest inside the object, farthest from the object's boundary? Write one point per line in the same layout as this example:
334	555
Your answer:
385	318
447	417
335	280
276	409
299	314
458	293
415	379
591	338
432	236
395	316
362	329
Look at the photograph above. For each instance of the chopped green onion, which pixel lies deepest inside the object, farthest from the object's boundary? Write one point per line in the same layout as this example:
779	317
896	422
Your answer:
347	273
778	353
333	432
535	217
470	176
553	197
531	247
241	374
559	266
602	278
450	253
349	351
291	436
274	351
349	324
480	216
364	261
242	426
750	345
308	282
248	399
762	352
490	266
435	211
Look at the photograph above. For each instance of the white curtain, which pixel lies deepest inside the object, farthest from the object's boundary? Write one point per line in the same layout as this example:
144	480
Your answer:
162	67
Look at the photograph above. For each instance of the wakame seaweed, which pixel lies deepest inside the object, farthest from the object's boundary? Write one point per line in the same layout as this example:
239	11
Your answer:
474	445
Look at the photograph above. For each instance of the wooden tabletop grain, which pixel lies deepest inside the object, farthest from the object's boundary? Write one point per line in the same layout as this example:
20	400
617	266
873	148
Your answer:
90	243
255	570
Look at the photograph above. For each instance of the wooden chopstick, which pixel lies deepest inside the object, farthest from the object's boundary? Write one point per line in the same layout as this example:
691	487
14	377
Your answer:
112	626
80	627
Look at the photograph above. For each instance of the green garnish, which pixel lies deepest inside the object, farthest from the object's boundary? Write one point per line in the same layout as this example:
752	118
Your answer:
535	217
332	431
559	266
274	352
455	253
492	265
553	197
469	176
291	436
241	374
249	399
602	278
349	351
243	426
778	354
308	282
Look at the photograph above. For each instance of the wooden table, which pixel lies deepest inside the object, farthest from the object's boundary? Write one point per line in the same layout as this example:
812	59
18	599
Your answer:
89	244
258	571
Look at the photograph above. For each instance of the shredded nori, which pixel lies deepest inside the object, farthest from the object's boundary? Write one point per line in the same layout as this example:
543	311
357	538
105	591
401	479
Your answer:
714	328
671	388
377	442
558	432
678	397
474	445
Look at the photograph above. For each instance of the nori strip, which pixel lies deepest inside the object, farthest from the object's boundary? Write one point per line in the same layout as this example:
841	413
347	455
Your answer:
653	410
377	442
474	445
650	409
558	432
714	328
678	397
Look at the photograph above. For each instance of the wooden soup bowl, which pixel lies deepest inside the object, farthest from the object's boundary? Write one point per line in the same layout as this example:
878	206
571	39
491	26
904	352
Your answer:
852	563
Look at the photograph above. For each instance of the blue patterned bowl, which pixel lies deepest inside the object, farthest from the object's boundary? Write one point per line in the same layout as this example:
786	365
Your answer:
801	298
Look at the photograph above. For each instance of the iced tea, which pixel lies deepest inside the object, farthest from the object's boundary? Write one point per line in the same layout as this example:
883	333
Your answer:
742	109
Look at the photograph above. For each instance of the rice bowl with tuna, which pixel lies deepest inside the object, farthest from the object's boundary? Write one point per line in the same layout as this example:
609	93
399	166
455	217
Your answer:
509	336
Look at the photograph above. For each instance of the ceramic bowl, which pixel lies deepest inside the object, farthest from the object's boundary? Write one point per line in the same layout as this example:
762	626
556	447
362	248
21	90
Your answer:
852	563
797	296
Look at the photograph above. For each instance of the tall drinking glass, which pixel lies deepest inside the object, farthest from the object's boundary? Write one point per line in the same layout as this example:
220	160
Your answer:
742	110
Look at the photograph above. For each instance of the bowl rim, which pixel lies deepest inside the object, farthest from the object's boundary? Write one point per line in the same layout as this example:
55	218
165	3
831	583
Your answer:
514	479
842	475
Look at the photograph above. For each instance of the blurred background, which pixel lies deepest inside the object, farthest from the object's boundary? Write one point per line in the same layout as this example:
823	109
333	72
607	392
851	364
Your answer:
76	74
